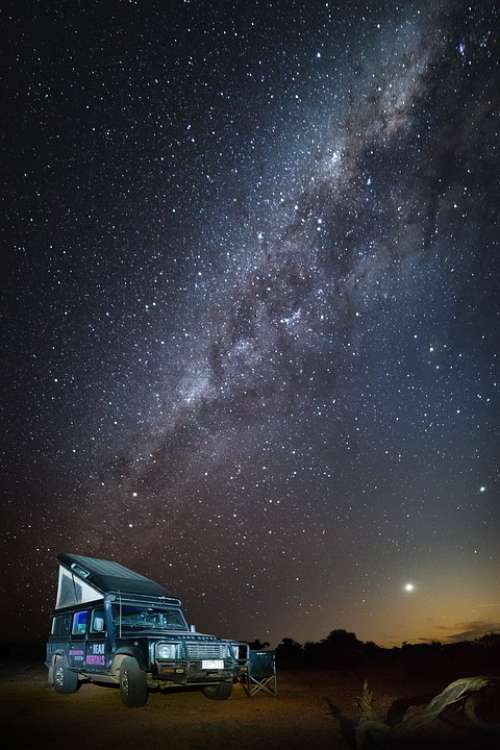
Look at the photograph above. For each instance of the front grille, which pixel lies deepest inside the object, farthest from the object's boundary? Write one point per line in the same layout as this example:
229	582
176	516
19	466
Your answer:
204	650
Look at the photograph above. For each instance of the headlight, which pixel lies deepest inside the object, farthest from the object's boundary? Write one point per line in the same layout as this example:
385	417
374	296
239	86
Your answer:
165	650
231	651
238	652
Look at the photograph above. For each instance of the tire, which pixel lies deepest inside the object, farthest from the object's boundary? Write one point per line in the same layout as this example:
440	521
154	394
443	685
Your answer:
220	692
133	683
64	680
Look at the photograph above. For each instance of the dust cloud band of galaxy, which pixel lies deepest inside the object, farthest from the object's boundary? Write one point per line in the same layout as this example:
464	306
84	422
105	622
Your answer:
374	229
285	398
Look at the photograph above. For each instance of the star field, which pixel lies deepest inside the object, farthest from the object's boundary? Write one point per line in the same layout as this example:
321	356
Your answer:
250	321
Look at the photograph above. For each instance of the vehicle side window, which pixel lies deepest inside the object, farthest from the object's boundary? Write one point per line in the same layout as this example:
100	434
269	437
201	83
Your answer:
80	620
97	623
61	624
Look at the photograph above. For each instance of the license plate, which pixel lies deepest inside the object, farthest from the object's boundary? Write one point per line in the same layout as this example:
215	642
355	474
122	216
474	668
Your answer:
212	664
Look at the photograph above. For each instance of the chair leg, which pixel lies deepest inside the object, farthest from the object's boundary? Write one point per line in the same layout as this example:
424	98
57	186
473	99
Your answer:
267	685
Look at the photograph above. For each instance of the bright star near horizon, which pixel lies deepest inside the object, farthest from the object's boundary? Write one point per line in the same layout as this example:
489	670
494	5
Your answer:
409	587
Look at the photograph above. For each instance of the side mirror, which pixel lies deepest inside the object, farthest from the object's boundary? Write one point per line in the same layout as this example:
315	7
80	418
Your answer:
192	628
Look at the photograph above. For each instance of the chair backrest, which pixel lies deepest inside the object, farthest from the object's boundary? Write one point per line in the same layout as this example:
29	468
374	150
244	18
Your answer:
261	664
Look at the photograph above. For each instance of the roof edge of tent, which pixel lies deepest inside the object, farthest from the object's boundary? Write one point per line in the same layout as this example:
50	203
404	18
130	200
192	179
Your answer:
64	560
107	576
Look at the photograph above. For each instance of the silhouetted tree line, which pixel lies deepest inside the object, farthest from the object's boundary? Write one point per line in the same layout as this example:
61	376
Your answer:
342	650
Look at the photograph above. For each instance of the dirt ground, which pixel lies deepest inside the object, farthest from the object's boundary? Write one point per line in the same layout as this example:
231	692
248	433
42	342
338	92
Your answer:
34	715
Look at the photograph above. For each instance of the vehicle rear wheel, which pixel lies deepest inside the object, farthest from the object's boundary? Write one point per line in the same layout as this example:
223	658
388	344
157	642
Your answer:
65	681
133	683
220	692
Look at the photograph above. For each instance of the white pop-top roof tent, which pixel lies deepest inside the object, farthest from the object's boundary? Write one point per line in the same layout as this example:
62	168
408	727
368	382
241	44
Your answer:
86	579
71	589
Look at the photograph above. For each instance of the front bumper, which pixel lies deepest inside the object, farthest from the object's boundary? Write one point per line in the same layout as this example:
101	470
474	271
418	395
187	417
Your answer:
192	673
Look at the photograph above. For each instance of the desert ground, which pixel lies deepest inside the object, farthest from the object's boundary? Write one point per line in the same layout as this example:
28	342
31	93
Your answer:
34	715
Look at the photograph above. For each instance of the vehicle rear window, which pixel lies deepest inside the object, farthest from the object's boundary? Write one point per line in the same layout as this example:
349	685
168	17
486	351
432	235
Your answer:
80	622
61	624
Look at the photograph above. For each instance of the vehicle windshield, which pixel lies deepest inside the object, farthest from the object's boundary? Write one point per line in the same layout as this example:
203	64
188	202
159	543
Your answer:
142	617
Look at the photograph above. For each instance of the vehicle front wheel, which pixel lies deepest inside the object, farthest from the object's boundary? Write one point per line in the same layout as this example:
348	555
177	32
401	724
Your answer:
133	683
220	692
65	681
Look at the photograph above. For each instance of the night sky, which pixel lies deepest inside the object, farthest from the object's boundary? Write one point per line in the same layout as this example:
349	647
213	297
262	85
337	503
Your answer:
250	310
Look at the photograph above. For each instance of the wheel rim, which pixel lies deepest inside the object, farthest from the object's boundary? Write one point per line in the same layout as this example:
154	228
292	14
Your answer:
59	675
125	681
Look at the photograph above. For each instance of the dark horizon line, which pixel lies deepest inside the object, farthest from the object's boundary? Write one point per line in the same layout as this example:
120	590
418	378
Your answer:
420	642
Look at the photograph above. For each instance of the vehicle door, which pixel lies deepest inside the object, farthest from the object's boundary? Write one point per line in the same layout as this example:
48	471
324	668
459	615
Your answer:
59	639
95	648
76	651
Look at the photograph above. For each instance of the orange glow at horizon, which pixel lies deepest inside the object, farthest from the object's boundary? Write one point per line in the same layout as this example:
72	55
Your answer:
441	607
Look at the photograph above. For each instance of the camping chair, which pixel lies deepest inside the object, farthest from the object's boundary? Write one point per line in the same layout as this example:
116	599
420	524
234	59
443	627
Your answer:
260	673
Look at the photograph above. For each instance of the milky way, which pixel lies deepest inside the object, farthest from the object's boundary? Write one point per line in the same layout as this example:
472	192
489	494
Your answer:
253	310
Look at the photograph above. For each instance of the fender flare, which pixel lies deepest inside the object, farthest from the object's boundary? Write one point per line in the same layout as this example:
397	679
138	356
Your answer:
127	651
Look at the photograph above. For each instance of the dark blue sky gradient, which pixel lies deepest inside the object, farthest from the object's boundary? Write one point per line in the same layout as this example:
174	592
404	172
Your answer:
250	321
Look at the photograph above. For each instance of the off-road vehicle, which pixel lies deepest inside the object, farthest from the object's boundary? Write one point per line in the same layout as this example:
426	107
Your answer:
112	625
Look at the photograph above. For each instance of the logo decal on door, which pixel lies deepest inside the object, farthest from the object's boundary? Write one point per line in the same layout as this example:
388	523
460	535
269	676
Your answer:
96	655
